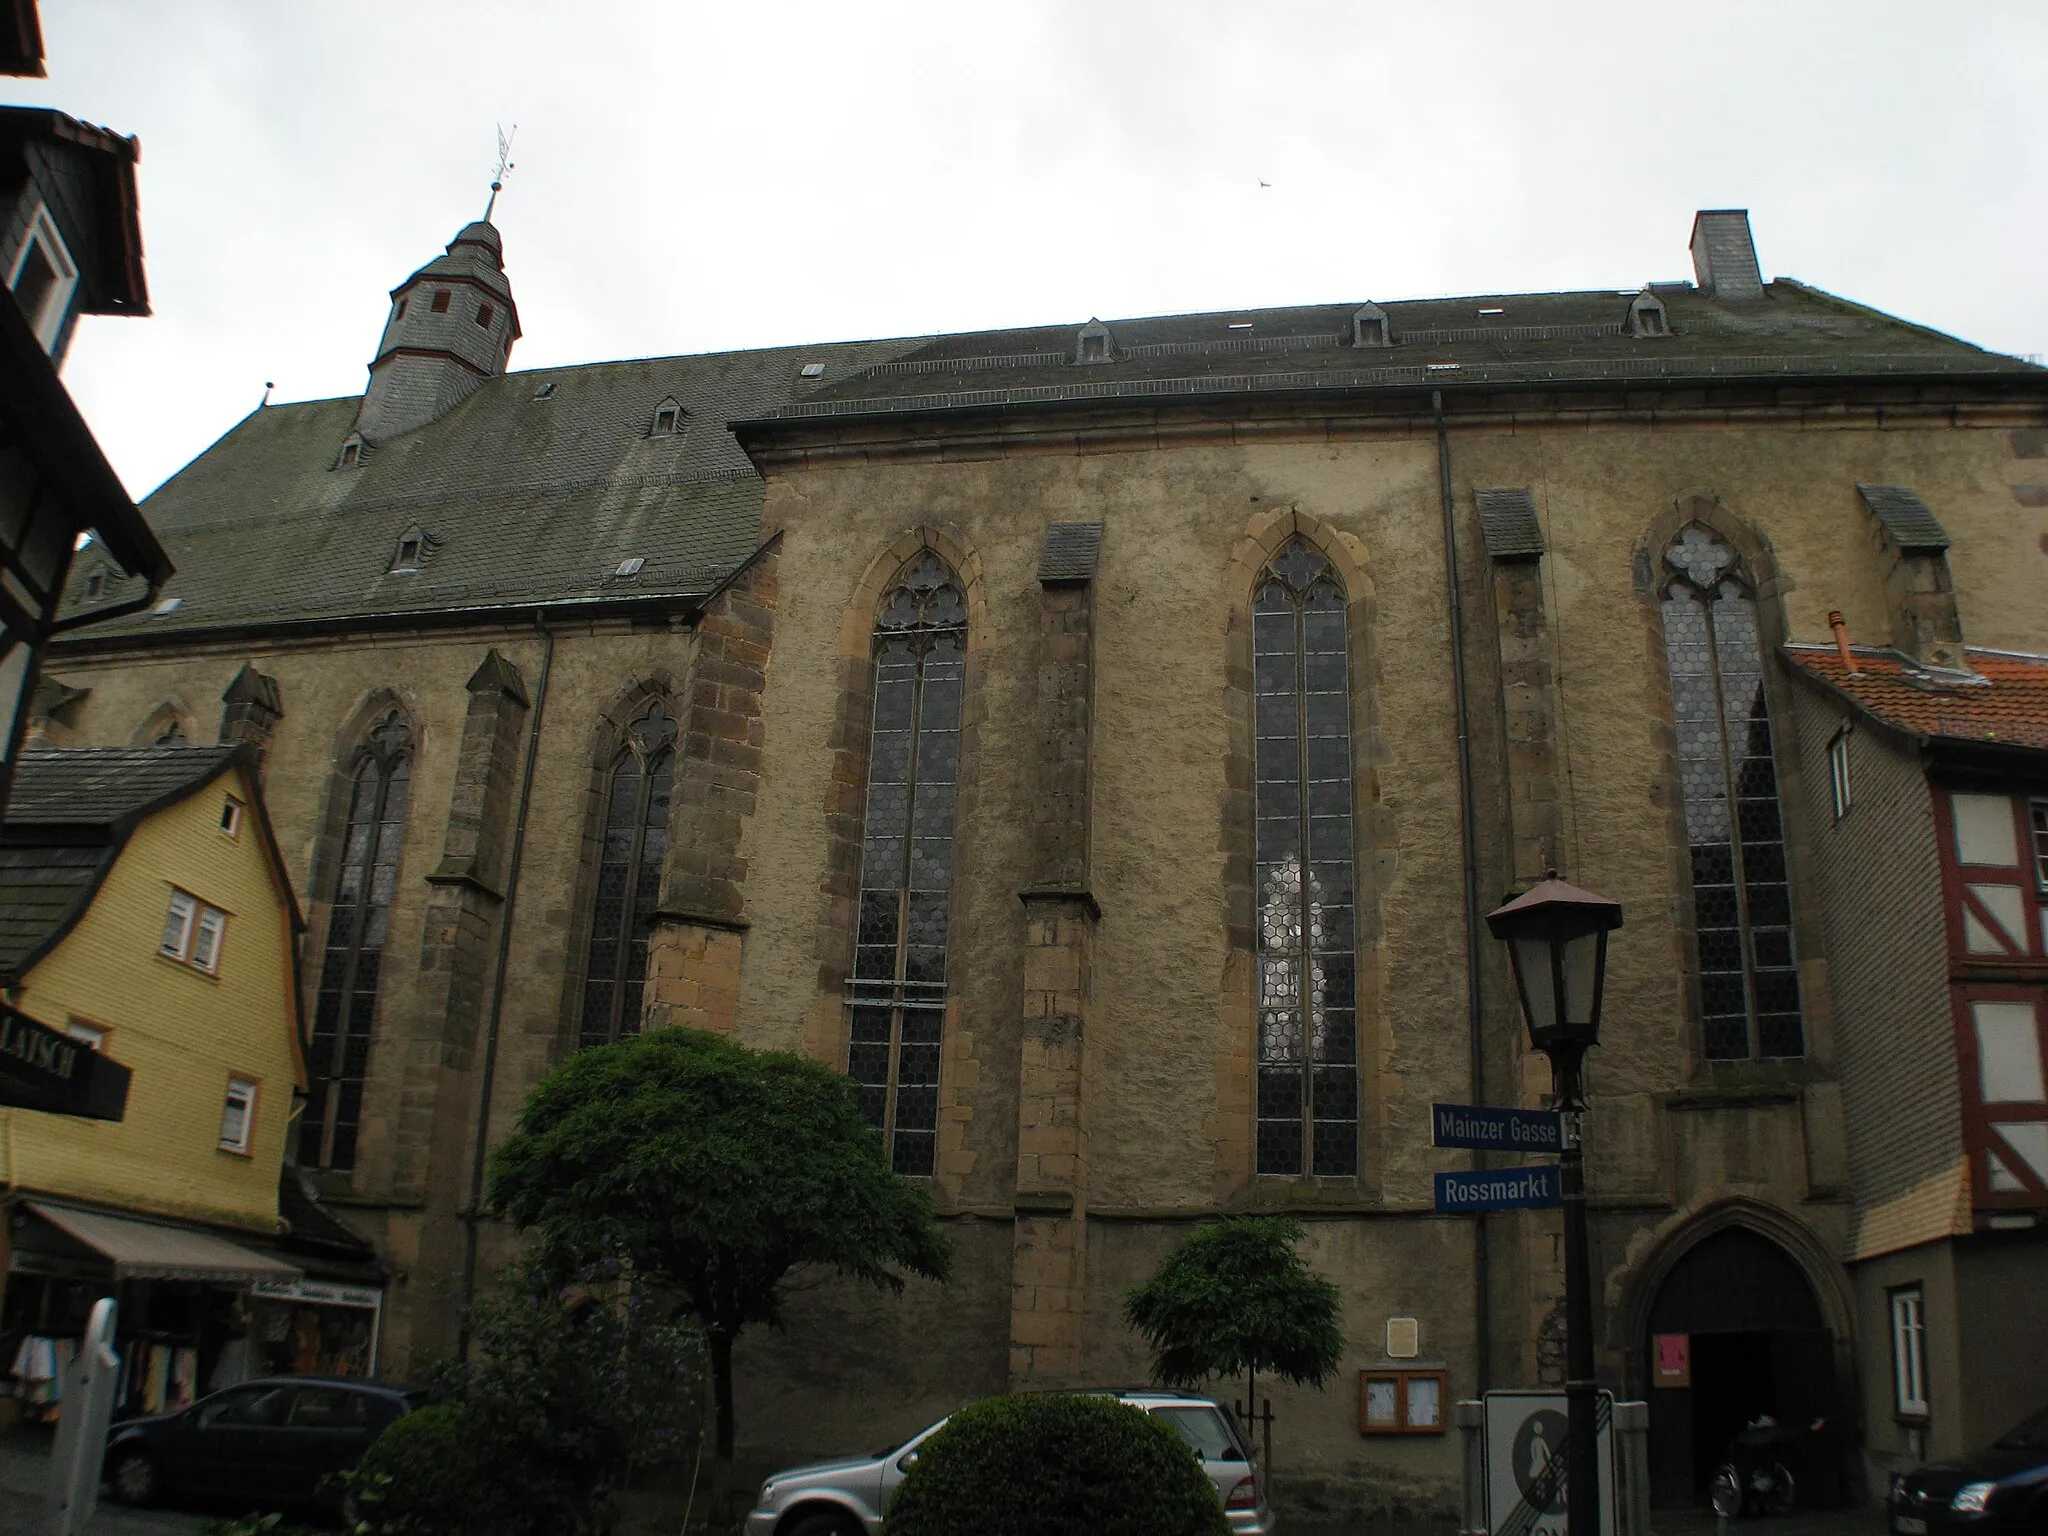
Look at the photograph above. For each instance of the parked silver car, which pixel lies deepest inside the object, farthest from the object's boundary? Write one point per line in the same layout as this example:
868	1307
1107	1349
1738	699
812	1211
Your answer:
849	1498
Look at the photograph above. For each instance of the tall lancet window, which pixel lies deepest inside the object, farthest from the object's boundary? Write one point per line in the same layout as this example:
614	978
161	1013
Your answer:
1742	902
1305	872
896	998
359	926
635	840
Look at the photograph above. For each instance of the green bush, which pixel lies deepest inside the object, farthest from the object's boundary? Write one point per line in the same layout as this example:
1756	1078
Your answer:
419	1475
1056	1465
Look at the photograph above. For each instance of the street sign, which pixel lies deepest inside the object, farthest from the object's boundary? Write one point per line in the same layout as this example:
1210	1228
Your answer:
41	1069
1525	1453
1499	1189
1496	1130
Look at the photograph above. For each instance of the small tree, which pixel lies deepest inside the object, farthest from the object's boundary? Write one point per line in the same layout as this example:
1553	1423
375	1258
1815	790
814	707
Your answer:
715	1170
1237	1298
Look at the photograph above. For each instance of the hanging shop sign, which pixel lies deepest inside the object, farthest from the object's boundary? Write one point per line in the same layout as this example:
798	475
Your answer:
321	1293
44	1070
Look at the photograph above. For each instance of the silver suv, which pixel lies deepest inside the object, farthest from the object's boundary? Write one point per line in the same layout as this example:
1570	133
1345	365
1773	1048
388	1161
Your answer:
848	1498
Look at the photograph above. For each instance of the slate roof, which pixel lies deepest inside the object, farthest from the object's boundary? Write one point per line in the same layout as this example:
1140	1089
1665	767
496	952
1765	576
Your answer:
1910	521
110	788
1532	338
1071	552
68	818
1508	523
2006	706
526	500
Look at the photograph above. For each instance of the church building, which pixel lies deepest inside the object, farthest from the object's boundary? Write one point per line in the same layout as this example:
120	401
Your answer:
1102	742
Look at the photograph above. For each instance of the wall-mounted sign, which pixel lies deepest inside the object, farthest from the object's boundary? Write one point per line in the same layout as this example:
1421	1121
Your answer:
48	1071
1400	1402
1671	1360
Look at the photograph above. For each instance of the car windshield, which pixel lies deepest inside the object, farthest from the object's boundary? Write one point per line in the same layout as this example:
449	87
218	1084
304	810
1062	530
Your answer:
1204	1429
890	1450
2032	1435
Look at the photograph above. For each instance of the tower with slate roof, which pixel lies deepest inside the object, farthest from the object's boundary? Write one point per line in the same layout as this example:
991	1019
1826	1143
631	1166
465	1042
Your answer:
452	325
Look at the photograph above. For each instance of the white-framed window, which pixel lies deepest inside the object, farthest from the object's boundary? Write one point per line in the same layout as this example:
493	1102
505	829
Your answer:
1909	1353
1838	772
92	1036
193	932
43	278
238	1116
231	816
2037	819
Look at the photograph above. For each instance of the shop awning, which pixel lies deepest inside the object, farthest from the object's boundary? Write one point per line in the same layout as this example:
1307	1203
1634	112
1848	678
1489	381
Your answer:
143	1250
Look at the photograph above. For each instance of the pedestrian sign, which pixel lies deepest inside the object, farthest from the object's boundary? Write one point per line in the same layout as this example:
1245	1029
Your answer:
1526	1443
1499	1189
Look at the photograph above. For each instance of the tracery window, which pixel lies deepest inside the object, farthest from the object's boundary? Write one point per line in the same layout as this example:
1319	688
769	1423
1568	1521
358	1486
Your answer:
1742	899
635	840
896	998
1305	869
345	1006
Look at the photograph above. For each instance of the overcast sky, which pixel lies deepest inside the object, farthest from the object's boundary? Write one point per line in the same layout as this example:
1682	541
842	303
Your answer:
696	177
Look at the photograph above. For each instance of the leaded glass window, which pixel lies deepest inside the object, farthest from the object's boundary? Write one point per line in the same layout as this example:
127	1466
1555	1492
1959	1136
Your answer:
896	998
1305	870
1742	899
359	926
632	845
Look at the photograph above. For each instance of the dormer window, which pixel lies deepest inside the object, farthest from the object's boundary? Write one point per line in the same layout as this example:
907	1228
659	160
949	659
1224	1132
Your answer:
1369	327
543	391
414	545
44	277
398	313
1095	344
441	299
353	451
96	585
668	418
1647	317
485	313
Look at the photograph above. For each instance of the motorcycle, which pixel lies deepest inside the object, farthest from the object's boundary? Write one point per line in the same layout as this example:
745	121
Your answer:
1754	1480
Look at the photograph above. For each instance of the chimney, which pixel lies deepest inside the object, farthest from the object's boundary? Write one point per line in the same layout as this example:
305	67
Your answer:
1724	255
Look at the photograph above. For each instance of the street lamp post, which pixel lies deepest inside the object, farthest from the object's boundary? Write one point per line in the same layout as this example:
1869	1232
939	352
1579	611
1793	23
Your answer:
1557	944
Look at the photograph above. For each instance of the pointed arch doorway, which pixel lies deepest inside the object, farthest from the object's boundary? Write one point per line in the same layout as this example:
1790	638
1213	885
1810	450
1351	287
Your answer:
1757	1341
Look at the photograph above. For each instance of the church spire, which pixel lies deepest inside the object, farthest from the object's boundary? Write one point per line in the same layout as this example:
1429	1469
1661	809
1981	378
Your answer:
451	326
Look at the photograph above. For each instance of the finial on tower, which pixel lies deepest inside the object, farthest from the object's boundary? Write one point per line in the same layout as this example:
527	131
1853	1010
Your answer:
505	167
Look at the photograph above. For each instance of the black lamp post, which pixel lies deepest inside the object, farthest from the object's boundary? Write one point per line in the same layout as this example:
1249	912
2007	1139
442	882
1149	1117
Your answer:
1557	942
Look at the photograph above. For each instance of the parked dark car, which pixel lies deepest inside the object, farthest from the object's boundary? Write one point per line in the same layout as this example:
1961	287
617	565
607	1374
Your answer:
269	1442
2003	1488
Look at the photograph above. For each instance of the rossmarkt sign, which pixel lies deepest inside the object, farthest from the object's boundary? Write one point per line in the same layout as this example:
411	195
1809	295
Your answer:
44	1070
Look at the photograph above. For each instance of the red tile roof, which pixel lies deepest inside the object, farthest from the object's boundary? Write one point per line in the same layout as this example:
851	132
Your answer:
2009	706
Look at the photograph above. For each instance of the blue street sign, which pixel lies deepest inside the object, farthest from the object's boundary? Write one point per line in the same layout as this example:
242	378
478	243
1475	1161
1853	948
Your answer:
1496	1130
1498	1189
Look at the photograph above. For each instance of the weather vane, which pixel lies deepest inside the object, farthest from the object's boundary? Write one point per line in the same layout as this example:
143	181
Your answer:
504	168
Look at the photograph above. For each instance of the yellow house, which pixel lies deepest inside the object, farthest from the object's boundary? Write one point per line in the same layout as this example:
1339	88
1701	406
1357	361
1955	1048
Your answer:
145	912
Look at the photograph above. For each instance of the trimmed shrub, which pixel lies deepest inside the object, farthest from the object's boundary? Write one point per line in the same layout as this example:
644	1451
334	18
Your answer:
419	1475
1056	1465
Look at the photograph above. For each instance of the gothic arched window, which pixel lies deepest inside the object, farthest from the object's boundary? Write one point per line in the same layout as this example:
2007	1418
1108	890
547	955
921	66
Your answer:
897	995
635	840
1742	900
358	927
1304	878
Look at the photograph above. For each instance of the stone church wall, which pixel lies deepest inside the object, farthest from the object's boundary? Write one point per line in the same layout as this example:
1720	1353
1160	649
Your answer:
1164	979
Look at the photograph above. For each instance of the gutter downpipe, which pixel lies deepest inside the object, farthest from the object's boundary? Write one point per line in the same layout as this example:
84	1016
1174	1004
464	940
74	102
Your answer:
1482	1278
473	1212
